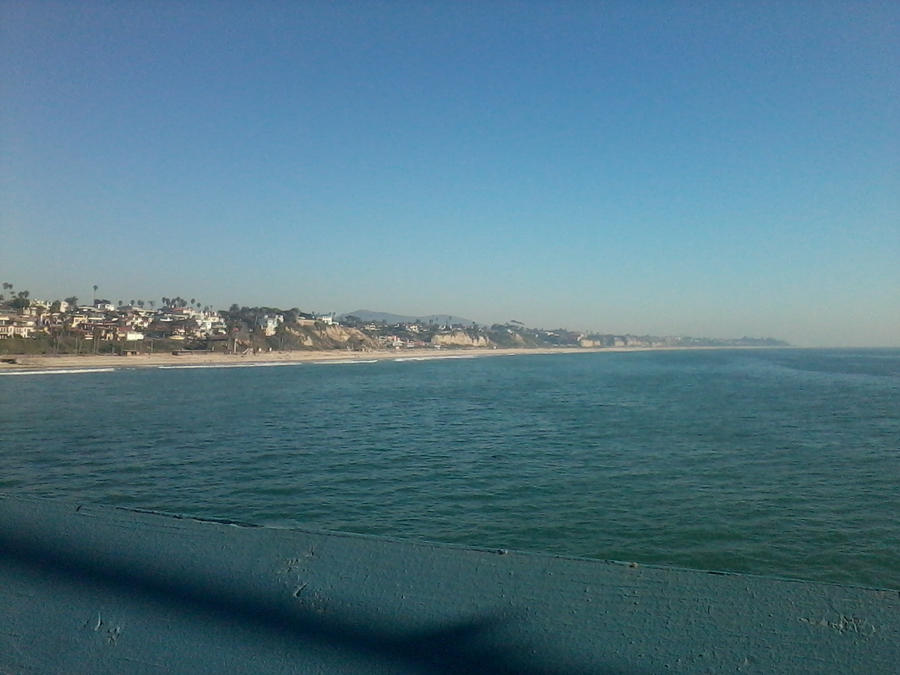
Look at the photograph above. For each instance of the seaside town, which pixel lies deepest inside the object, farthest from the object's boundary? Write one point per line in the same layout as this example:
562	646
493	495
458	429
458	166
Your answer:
176	324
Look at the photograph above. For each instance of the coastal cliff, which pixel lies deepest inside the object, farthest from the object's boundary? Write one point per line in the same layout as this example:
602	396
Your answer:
459	338
324	336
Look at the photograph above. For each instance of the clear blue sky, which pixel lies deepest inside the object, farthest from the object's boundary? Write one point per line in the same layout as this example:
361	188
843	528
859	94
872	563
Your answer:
719	169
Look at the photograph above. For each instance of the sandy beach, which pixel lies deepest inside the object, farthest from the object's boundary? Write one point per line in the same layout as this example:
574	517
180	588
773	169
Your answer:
23	363
44	362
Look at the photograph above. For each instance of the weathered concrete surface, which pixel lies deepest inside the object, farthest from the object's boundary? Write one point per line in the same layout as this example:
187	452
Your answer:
89	589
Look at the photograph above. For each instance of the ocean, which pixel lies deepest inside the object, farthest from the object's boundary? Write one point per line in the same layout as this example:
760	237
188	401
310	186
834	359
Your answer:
782	462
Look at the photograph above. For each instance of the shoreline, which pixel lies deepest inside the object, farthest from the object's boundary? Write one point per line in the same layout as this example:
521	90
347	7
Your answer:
53	362
37	363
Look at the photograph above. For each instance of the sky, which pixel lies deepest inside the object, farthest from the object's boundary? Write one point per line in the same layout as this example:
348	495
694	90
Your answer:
712	169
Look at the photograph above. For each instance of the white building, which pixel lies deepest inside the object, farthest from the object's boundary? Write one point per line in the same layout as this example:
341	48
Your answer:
327	319
15	327
270	324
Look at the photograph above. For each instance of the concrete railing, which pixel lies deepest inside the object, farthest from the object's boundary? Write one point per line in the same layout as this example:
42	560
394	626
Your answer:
95	589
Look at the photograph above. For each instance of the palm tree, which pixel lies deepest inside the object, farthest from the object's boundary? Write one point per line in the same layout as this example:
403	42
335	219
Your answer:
95	292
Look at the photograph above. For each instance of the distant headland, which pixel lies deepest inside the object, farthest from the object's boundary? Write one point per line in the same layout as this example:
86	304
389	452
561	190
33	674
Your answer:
176	324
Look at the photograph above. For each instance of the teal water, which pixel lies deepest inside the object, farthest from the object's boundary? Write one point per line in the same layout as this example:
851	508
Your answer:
776	462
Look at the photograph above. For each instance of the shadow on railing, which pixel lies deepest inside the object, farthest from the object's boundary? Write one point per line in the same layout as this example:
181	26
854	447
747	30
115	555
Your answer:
473	644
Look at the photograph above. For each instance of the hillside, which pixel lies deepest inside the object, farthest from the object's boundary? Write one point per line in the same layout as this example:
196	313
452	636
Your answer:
387	317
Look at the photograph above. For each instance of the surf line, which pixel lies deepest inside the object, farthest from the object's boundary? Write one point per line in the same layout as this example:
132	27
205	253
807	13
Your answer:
208	366
60	371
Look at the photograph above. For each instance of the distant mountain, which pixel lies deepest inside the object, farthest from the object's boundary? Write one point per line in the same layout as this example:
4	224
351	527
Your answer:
387	317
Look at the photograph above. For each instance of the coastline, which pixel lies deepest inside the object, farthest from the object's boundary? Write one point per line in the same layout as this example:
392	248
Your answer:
45	362
27	363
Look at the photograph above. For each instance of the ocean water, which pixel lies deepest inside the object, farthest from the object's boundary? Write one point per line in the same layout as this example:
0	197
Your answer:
774	462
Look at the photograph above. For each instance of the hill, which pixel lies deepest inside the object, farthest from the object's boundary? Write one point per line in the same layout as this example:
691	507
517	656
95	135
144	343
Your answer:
387	317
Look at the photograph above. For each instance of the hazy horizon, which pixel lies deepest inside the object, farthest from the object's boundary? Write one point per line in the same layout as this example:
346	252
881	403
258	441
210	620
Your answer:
705	169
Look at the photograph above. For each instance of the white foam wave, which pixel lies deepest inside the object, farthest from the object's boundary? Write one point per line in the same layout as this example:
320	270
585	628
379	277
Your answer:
58	371
204	366
434	358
